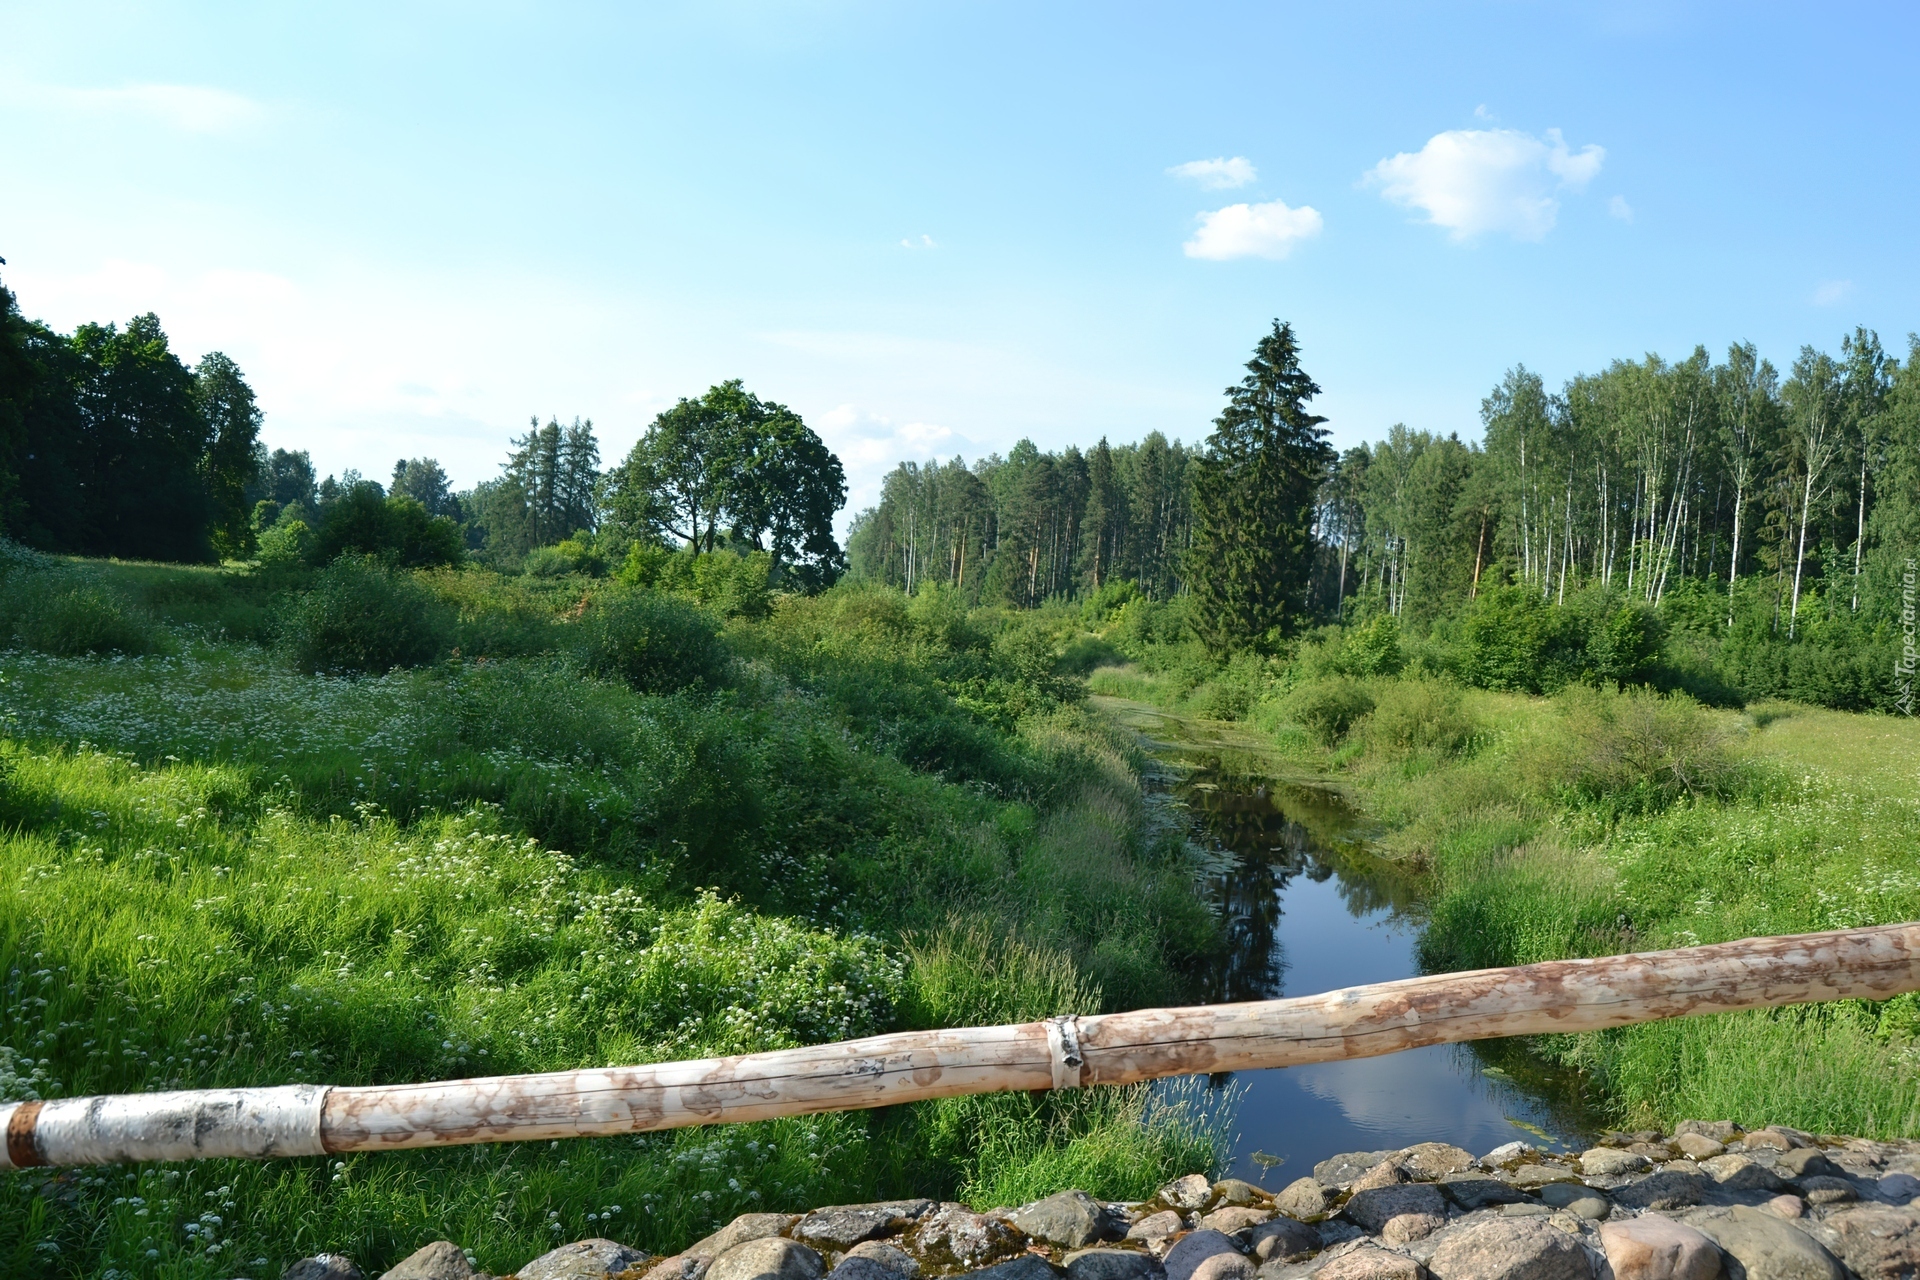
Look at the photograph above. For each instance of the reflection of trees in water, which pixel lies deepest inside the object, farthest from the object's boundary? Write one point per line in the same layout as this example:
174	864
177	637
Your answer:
1275	832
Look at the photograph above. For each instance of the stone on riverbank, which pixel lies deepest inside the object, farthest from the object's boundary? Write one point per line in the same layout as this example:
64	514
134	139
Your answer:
1072	1219
324	1266
769	1258
1653	1247
1303	1199
582	1260
441	1260
1113	1264
1762	1247
1500	1248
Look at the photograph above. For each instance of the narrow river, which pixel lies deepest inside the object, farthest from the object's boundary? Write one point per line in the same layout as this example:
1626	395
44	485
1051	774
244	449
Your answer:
1307	909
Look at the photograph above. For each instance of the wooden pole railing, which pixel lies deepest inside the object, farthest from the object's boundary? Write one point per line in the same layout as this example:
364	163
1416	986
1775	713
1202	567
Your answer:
1061	1053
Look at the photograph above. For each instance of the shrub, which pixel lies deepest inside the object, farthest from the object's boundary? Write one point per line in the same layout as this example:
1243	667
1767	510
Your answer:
62	612
397	530
362	616
1636	751
1231	693
1330	706
733	586
577	554
1373	649
1417	717
654	642
286	543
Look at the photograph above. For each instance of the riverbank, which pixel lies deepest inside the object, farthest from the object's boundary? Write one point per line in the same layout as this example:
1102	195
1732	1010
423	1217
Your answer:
1709	1199
1597	823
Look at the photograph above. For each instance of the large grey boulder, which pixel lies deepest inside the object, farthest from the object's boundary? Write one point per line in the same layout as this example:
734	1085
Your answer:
1369	1262
1500	1248
1188	1193
1282	1238
1653	1247
748	1226
845	1225
1717	1130
1114	1264
1673	1187
1401	1213
1344	1170
1760	1246
1071	1219
1737	1172
955	1236
1807	1162
1431	1160
441	1260
1232	1219
769	1258
582	1260
1025	1267
1876	1242
1235	1191
888	1256
853	1267
1609	1162
1582	1202
1187	1257
323	1266
1155	1227
681	1266
1303	1198
1823	1190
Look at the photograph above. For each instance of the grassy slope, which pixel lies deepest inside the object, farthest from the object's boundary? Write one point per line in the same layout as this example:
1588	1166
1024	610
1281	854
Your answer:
220	872
1532	855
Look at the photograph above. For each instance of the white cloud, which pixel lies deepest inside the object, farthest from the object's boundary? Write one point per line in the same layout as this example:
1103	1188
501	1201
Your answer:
924	242
1831	291
1619	208
1218	173
1472	181
870	445
185	107
1253	231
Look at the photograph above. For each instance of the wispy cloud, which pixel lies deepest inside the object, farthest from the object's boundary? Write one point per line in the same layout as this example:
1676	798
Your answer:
1831	291
1473	181
924	242
1253	231
1618	207
1217	174
187	108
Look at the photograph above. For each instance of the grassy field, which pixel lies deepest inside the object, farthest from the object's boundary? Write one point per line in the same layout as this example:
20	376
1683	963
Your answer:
219	869
1599	822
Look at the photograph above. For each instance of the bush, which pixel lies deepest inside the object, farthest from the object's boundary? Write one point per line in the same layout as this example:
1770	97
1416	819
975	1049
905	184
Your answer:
733	586
1373	649
654	642
397	530
62	612
1417	717
362	616
577	554
286	543
1231	693
1330	706
1635	751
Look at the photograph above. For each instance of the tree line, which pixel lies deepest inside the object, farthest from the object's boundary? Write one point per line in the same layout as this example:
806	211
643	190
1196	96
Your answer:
111	445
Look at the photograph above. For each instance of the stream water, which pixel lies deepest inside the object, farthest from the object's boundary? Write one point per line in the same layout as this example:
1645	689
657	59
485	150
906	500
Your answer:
1308	909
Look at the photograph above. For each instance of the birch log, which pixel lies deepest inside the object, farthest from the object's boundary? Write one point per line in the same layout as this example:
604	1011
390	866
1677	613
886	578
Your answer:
1116	1048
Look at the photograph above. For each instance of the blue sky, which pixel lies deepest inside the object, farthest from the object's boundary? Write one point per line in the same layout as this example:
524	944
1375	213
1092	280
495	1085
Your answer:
937	228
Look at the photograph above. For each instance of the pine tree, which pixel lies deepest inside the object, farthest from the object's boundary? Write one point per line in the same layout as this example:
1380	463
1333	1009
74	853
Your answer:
1254	488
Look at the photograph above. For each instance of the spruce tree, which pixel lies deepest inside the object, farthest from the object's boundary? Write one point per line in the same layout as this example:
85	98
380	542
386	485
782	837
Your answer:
1252	554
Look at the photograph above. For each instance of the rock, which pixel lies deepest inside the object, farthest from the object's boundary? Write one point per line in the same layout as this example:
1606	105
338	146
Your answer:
1786	1207
1738	1172
889	1256
1699	1146
1509	1155
582	1260
1876	1243
1342	1170
1899	1187
1377	1208
1657	1152
1197	1247
1478	1193
1307	1198
1282	1238
680	1266
1823	1190
768	1258
323	1266
1071	1219
1762	1247
1531	1209
1223	1266
844	1225
1717	1130
1501	1248
1388	1173
1539	1175
1157	1226
1779	1138
1025	1267
1334	1231
1581	1202
1371	1263
1114	1264
1187	1193
1431	1161
1234	1191
441	1260
1670	1188
1652	1247
968	1238
853	1267
748	1226
1234	1219
1606	1162
1807	1162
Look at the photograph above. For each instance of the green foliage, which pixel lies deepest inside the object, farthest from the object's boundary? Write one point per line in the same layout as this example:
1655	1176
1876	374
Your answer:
288	542
1415	717
397	531
65	611
732	586
1373	649
654	642
362	617
1330	706
1637	751
579	554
